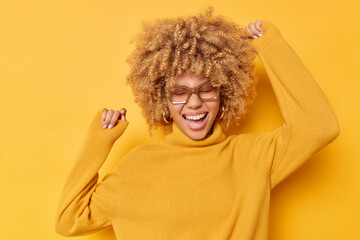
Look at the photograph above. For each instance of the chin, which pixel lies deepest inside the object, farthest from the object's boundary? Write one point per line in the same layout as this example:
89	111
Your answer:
197	136
195	126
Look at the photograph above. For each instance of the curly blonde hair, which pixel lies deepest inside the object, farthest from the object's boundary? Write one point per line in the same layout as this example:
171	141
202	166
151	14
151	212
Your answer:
201	45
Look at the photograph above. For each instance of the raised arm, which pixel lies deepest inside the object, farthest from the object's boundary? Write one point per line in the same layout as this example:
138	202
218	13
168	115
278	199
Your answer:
309	121
85	205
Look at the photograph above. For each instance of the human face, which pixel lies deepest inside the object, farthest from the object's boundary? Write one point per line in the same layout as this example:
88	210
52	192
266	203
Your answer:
180	113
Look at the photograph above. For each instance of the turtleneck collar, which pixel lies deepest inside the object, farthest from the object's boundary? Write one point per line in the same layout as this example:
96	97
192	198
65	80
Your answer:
177	137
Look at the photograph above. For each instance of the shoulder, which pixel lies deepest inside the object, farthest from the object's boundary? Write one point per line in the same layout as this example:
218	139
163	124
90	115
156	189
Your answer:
147	148
142	153
243	138
137	160
245	141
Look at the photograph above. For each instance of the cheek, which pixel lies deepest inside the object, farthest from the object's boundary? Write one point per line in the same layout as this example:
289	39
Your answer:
215	107
174	109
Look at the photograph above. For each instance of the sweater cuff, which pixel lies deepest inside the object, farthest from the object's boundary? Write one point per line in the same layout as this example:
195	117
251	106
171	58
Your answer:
271	34
106	135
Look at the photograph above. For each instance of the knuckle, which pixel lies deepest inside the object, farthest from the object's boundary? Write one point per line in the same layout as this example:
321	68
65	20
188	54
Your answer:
108	118
116	117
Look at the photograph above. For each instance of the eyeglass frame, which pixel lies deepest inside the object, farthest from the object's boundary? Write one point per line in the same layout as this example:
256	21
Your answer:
196	91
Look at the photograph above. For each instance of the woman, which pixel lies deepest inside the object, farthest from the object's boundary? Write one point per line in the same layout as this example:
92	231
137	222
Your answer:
193	76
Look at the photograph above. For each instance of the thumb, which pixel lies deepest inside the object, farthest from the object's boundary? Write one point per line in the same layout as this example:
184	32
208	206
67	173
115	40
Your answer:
123	114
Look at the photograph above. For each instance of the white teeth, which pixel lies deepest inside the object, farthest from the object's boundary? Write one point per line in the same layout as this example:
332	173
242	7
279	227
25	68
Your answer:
197	117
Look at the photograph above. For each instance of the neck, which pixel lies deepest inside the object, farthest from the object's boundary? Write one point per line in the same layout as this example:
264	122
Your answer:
214	136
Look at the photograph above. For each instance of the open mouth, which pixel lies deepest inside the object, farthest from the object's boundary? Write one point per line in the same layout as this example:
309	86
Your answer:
196	122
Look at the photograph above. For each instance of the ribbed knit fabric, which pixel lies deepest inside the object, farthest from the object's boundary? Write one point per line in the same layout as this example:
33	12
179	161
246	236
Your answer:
214	189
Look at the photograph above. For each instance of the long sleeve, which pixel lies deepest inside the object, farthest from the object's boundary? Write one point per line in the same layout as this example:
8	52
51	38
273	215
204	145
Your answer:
85	205
309	121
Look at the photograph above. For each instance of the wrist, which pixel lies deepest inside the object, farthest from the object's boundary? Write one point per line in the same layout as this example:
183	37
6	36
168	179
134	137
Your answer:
271	34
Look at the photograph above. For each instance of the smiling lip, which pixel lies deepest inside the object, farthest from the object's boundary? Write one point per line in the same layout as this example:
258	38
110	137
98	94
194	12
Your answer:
194	114
196	125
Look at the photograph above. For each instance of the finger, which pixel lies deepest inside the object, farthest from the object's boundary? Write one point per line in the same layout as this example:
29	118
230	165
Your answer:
108	117
253	30
103	115
123	114
248	32
114	119
258	26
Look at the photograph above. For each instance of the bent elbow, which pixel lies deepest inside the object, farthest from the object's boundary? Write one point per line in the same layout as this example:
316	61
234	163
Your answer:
65	226
60	229
70	226
322	133
335	131
67	231
330	132
63	229
327	129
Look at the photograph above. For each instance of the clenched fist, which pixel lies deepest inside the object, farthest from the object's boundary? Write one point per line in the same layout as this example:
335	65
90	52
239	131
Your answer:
110	117
254	30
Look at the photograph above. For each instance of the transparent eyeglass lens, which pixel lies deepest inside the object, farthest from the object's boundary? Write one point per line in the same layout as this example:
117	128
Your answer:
207	92
180	94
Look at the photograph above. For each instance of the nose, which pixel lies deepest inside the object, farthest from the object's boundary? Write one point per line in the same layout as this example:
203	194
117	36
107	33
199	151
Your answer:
194	101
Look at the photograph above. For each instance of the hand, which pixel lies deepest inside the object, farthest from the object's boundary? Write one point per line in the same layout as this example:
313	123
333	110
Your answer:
254	30
110	117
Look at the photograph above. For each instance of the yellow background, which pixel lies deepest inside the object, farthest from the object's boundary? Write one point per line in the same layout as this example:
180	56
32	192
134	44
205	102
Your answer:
62	61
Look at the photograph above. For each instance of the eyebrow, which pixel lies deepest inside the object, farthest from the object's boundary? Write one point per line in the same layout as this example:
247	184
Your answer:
177	85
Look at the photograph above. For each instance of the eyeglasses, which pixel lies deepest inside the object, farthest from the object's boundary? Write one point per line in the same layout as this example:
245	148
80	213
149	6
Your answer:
181	94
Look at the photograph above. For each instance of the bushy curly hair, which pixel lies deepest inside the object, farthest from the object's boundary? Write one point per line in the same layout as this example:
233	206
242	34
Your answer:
201	45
